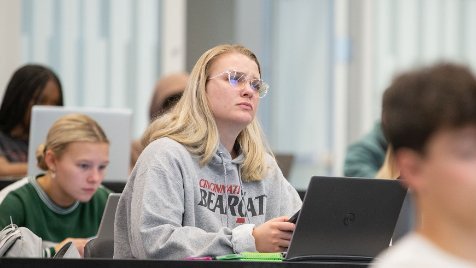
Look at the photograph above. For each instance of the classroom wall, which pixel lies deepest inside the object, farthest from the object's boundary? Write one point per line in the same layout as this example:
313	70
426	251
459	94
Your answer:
10	40
208	23
327	61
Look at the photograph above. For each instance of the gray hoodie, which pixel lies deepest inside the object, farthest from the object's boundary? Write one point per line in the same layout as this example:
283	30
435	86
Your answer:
172	208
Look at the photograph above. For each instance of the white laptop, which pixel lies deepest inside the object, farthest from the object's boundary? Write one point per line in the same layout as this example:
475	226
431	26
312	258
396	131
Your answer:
116	123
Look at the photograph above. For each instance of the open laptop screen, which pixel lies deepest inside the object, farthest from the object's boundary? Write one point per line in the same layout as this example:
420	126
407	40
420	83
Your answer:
106	227
116	124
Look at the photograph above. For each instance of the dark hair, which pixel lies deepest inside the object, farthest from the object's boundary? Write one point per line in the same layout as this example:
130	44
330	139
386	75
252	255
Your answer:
421	102
167	92
169	103
26	85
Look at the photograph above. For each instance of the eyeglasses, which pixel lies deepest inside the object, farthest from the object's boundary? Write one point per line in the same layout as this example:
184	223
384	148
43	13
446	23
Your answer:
239	80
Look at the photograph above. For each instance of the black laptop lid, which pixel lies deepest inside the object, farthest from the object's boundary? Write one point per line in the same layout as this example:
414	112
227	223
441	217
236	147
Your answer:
345	218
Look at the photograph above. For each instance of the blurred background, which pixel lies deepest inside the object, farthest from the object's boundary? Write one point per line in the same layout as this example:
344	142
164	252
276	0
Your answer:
327	61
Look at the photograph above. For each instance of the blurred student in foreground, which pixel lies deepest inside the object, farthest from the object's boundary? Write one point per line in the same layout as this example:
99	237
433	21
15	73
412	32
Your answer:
429	118
30	85
66	202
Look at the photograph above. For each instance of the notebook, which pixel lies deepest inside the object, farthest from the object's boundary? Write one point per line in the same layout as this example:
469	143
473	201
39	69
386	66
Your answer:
116	124
346	219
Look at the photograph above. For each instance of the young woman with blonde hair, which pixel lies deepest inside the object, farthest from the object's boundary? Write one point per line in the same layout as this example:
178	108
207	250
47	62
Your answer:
65	203
207	183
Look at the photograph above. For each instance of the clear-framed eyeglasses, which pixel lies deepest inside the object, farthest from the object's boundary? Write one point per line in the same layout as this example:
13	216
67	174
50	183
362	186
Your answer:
239	80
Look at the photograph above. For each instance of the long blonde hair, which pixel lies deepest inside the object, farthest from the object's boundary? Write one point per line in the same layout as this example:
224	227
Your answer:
192	124
68	129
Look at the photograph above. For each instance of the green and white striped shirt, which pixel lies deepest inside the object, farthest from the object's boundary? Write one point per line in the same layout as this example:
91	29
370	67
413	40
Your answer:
29	206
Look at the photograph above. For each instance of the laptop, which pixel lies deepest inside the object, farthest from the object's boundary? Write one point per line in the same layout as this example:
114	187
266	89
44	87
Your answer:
407	220
106	227
116	123
346	219
102	246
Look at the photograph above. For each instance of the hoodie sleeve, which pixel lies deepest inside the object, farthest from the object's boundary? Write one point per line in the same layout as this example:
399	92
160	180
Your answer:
159	202
291	201
283	200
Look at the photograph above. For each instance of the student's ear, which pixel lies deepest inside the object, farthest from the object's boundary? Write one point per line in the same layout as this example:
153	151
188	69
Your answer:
50	160
410	164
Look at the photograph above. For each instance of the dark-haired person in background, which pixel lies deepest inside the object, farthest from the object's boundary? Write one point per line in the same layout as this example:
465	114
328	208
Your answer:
30	85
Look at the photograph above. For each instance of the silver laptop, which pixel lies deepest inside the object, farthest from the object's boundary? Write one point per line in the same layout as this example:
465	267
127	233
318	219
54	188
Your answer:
102	246
346	219
106	227
116	123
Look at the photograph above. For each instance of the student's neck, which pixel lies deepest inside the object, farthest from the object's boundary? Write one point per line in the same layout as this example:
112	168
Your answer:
54	193
228	140
452	237
230	148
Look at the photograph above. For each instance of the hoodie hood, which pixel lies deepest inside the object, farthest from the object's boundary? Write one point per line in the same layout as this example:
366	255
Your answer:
222	155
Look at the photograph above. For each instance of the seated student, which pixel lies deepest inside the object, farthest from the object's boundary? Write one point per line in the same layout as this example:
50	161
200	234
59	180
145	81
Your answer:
366	157
30	85
167	93
66	203
429	117
206	183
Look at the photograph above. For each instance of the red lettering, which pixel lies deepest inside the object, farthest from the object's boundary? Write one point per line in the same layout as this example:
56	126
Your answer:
219	188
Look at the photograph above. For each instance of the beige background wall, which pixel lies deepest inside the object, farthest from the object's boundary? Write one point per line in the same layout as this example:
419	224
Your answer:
10	40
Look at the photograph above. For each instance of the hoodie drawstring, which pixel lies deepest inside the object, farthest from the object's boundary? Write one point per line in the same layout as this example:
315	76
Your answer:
226	184
242	199
243	195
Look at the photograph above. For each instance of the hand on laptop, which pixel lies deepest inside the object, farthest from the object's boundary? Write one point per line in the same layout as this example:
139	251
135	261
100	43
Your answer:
273	235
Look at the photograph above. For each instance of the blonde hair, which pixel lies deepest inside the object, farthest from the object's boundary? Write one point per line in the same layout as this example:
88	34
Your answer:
389	169
192	123
68	129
